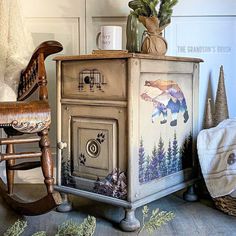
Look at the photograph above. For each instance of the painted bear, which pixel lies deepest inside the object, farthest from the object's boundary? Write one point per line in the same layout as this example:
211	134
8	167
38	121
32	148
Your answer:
166	95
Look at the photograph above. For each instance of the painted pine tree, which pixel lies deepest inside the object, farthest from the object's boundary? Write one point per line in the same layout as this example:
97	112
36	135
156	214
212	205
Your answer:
169	159
154	165
161	158
66	178
175	153
180	160
142	162
183	152
187	151
148	173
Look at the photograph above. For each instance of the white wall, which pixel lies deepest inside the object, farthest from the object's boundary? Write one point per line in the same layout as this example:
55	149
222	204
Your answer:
207	29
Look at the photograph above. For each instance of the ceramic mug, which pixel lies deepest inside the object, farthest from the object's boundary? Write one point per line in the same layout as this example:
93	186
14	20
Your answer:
110	38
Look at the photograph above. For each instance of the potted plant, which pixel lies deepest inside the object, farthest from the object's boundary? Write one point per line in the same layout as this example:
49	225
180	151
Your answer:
154	21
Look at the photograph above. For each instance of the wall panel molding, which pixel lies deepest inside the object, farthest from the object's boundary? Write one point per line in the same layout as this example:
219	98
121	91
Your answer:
53	8
205	8
213	40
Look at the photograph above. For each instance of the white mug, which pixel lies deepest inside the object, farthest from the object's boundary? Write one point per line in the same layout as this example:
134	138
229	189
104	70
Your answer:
110	38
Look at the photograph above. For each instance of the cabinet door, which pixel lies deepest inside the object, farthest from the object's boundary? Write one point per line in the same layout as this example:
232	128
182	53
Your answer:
96	147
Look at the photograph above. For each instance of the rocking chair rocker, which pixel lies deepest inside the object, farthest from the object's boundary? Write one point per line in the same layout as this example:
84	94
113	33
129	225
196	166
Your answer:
29	117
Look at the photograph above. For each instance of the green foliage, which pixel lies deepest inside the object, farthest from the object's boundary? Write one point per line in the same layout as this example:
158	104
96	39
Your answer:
16	229
147	8
70	228
166	11
40	233
156	220
143	7
89	226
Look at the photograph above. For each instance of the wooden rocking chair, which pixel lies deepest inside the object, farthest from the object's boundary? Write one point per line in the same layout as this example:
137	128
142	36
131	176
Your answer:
28	117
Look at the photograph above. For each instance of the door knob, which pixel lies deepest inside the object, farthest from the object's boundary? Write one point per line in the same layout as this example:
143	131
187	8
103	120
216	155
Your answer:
62	145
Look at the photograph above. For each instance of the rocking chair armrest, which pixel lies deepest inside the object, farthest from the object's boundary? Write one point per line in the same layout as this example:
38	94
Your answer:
35	74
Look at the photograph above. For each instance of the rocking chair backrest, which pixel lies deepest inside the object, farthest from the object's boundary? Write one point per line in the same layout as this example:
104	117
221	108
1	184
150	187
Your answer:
29	117
34	75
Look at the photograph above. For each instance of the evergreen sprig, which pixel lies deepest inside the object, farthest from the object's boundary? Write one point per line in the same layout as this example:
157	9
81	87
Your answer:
40	233
16	229
70	228
156	220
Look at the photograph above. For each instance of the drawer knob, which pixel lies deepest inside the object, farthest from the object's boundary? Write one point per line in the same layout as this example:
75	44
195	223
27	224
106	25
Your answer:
87	80
62	145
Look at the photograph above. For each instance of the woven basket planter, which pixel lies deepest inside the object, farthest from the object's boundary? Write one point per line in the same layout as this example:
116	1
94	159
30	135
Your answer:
227	204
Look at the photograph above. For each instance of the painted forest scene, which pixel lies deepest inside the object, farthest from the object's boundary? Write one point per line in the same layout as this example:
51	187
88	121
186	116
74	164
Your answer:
164	159
165	126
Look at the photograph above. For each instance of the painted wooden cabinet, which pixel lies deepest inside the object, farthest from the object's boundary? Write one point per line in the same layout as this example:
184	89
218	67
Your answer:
127	125
75	24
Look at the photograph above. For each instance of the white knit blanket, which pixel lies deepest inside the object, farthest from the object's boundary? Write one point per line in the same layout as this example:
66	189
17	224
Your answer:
217	156
16	47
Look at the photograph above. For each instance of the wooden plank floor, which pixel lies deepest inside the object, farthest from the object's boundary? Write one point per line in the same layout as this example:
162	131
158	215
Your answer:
191	218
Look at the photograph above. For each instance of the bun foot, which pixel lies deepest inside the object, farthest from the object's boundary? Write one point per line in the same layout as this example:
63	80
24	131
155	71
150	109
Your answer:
130	222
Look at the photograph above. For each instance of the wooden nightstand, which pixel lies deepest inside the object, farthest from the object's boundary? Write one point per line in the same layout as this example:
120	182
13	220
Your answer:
127	125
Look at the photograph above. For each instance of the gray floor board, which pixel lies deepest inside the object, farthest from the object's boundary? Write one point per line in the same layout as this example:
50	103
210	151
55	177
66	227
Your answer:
190	218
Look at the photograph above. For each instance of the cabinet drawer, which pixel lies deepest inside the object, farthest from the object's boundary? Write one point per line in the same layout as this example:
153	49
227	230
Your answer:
96	79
